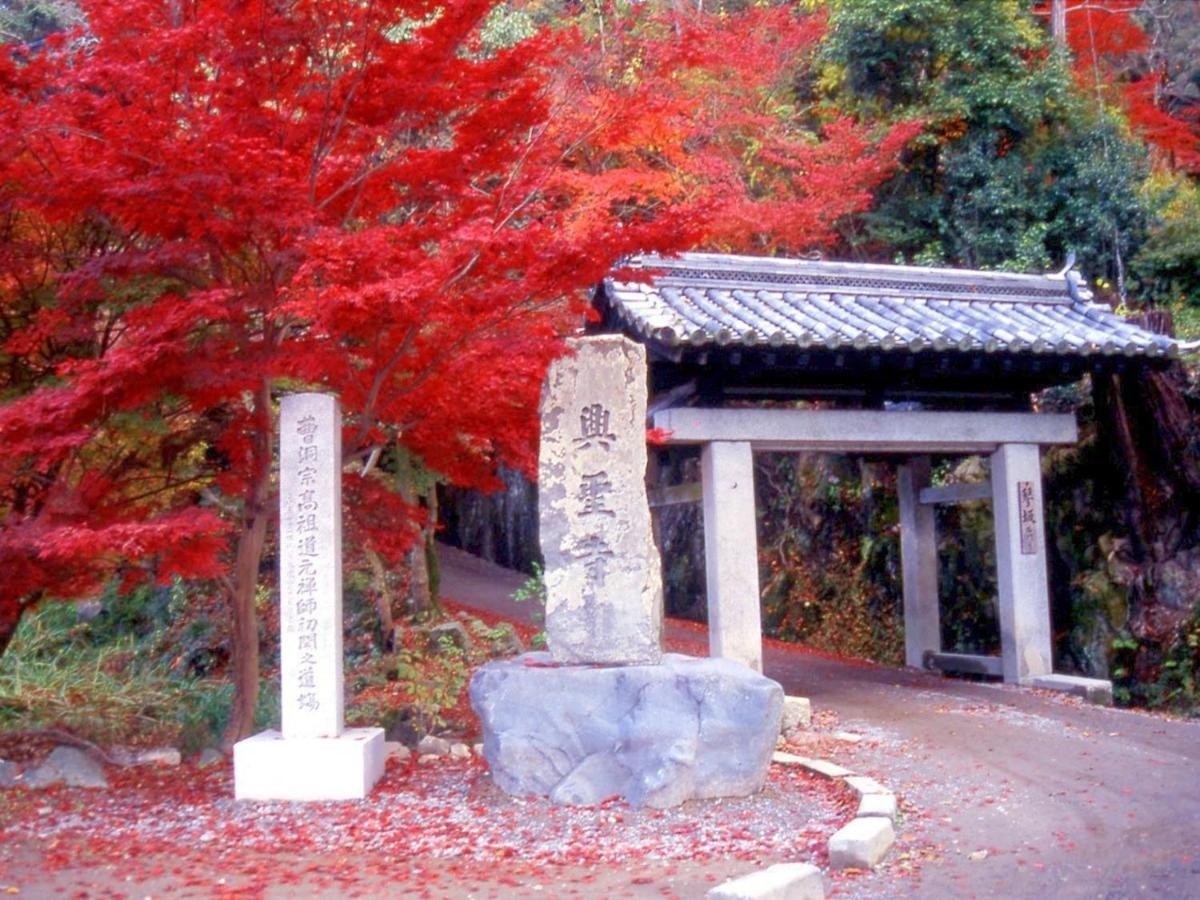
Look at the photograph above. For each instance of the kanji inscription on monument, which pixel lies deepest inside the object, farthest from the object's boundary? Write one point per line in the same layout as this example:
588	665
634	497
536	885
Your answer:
310	551
1027	511
603	584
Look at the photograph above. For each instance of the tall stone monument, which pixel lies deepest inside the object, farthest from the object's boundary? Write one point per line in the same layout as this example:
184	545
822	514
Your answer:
605	713
603	580
315	757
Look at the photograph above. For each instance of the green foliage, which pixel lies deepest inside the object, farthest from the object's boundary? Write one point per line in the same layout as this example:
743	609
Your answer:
105	682
1168	265
506	26
1169	680
533	590
829	554
967	578
1016	167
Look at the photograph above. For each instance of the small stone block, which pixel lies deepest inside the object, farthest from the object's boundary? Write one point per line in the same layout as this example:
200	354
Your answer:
862	785
69	766
785	881
433	745
460	751
271	767
819	766
797	713
210	756
862	844
161	756
1093	690
397	751
877	805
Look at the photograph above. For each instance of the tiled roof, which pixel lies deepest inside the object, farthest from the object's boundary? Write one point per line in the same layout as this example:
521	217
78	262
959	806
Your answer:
701	299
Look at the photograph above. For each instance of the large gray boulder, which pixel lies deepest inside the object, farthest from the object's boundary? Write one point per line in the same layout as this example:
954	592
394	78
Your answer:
655	735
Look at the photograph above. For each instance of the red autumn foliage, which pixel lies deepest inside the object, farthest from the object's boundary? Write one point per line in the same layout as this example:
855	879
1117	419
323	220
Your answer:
204	205
1111	53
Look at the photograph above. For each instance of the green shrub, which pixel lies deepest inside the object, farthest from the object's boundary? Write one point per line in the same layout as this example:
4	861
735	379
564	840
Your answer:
99	680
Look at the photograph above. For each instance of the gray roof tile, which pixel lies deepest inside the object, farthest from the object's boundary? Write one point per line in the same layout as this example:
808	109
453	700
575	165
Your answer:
705	298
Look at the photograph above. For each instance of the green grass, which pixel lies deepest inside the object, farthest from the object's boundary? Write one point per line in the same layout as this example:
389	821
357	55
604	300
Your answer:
54	675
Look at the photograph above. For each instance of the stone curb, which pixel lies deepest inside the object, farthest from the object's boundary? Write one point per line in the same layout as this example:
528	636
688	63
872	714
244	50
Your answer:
866	839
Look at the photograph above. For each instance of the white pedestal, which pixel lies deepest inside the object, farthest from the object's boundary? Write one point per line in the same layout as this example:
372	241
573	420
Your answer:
270	767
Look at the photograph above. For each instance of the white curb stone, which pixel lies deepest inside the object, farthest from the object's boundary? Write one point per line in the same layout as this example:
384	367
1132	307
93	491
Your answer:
1093	690
786	881
877	805
862	785
819	766
861	844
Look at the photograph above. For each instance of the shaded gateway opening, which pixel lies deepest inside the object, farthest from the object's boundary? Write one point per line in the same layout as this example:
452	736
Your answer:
905	364
828	522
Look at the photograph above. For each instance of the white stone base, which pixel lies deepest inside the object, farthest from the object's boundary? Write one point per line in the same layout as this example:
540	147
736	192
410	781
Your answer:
268	767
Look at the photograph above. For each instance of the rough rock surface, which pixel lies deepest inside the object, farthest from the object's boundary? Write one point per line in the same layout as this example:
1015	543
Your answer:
433	745
69	766
656	735
210	756
9	772
797	714
602	571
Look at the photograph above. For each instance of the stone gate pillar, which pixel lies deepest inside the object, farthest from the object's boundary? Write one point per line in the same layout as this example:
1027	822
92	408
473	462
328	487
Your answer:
1021	562
918	561
731	552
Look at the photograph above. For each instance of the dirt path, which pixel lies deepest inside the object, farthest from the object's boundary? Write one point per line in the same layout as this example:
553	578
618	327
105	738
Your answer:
1009	792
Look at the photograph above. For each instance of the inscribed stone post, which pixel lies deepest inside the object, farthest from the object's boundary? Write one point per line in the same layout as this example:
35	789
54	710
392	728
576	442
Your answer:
603	580
310	550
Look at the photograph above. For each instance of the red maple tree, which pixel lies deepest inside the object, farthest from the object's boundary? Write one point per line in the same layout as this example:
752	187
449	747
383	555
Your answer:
206	204
1112	58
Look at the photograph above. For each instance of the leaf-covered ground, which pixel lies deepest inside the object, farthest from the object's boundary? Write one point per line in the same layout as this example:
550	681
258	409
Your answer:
435	829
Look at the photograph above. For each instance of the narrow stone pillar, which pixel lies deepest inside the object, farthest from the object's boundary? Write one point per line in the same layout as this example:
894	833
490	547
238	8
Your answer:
918	558
1025	648
310	566
313	756
731	552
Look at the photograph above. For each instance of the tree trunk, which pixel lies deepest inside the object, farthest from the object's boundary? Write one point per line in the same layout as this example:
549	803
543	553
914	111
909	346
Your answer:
10	618
1152	436
1058	21
244	588
382	592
